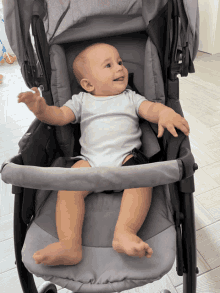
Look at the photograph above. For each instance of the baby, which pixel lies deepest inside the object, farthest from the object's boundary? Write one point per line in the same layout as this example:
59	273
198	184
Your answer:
108	116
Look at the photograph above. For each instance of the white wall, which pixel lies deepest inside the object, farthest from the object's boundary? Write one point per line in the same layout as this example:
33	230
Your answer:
209	26
217	33
3	36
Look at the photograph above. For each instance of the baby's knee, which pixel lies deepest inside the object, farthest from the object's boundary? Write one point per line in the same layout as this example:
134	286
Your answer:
81	164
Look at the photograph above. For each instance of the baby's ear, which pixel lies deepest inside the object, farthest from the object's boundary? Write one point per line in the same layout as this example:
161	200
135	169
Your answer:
81	89
86	85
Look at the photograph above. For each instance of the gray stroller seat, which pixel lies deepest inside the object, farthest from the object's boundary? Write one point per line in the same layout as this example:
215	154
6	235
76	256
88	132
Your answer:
102	269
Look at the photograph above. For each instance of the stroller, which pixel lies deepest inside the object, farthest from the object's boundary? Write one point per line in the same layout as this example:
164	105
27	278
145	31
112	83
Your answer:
157	40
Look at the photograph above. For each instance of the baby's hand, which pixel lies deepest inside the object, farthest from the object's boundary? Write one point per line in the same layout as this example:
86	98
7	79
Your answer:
170	119
34	101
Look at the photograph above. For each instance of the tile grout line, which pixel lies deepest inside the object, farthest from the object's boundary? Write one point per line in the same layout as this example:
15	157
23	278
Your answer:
204	261
6	239
207	190
208	225
211	177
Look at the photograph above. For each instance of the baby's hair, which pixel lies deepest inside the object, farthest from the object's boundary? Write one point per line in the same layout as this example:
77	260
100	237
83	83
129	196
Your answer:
80	61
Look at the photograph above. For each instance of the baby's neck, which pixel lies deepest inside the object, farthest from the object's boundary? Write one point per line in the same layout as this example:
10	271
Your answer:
102	96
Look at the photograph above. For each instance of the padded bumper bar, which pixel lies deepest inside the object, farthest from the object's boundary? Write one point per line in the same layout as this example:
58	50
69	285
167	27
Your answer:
99	178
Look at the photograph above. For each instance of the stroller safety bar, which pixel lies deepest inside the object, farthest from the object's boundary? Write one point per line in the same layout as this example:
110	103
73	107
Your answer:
97	179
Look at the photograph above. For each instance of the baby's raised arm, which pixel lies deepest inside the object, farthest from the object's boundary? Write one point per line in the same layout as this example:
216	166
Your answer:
51	115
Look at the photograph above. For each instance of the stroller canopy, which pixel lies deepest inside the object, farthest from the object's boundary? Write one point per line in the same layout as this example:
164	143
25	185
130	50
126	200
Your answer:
65	21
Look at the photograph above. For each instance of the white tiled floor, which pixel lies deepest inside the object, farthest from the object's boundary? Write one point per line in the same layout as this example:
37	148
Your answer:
200	100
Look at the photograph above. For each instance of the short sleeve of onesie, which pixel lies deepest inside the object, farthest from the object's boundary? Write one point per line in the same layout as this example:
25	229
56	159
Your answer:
75	104
137	100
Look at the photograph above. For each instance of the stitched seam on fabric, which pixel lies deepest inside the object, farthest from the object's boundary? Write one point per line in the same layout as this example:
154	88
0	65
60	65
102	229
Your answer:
44	230
153	69
161	231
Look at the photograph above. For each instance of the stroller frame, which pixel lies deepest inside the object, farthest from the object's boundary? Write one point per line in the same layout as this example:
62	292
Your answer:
181	192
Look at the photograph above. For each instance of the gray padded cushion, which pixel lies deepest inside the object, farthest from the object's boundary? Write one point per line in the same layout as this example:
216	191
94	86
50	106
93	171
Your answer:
131	48
103	269
95	179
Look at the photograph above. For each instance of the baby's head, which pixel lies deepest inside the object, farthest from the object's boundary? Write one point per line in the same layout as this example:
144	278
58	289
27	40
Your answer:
96	69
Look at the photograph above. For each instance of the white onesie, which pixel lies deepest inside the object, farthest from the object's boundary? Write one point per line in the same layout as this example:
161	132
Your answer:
109	126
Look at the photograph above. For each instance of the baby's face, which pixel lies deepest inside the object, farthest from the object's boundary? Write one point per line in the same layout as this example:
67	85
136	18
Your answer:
105	66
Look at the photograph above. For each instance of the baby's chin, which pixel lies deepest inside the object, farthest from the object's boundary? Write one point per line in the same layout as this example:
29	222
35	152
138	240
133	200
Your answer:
115	93
110	92
118	91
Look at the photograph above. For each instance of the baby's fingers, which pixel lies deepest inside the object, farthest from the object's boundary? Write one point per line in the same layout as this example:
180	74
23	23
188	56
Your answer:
185	123
185	130
25	97
184	127
29	96
37	92
172	130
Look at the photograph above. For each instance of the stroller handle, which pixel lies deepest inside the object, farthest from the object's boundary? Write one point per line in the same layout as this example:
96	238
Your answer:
99	178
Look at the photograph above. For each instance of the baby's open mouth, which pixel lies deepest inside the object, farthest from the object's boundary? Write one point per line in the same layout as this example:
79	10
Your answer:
119	79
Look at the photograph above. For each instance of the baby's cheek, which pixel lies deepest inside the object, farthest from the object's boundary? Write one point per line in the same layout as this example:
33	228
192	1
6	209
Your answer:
126	71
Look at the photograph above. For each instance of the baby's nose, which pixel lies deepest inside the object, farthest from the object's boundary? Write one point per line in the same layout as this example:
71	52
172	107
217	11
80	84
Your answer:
119	67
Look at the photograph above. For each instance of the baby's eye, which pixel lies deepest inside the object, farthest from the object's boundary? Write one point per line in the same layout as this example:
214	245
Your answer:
120	62
108	64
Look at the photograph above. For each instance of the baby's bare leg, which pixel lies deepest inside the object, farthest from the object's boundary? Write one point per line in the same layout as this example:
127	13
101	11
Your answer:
70	211
135	205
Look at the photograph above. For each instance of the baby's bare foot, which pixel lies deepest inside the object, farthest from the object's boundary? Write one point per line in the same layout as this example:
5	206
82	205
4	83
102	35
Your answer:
59	253
130	244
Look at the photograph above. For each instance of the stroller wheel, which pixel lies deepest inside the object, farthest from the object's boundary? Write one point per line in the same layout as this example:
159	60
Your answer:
165	291
47	287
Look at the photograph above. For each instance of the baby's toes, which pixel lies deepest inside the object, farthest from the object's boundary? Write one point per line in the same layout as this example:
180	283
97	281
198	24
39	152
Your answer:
37	257
148	252
141	249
